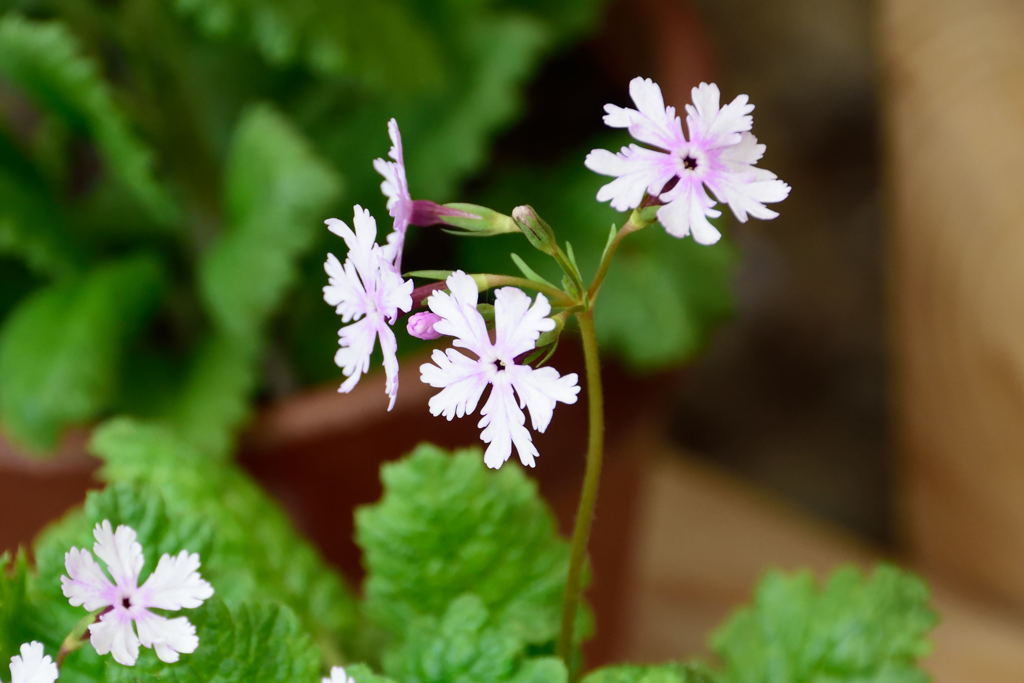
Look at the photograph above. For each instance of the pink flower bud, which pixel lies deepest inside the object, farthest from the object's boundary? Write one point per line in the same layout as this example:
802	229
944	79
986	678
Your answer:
421	325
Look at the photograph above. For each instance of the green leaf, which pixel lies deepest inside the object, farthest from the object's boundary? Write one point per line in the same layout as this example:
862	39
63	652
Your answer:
379	43
248	642
32	226
363	674
528	272
854	629
212	402
43	60
662	673
272	560
277	191
460	647
59	350
663	296
446	523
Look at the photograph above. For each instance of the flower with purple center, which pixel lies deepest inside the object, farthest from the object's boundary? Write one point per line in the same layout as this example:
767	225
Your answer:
718	155
338	675
32	666
367	291
127	619
518	323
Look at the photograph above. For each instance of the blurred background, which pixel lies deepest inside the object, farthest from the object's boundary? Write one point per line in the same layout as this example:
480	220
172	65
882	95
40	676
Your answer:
842	383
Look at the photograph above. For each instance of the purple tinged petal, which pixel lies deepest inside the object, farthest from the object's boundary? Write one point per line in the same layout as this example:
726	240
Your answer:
113	634
120	551
518	322
175	584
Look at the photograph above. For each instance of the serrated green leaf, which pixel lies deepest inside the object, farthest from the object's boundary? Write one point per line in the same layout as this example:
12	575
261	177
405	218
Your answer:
663	296
59	349
277	191
660	673
379	43
273	561
854	629
460	647
361	673
43	60
252	641
446	523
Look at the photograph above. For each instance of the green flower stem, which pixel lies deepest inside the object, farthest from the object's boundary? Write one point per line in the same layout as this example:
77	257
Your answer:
591	481
76	637
632	225
557	296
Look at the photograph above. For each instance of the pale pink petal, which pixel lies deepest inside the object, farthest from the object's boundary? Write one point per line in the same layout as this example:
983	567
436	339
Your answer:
86	585
389	348
687	211
355	345
540	389
637	171
712	126
461	379
747	152
651	122
120	551
344	291
338	675
32	665
113	634
421	325
749	191
167	637
503	424
395	293
518	322
174	584
459	317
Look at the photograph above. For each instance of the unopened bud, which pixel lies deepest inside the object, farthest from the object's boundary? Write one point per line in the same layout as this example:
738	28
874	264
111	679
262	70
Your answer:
477	220
537	231
421	325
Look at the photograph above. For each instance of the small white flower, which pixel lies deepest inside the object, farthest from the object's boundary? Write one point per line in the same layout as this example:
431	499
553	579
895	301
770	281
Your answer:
719	155
396	188
338	675
32	666
127	619
367	291
462	380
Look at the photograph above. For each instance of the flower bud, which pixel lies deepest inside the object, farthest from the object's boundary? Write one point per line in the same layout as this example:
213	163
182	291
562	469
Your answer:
537	231
421	325
478	221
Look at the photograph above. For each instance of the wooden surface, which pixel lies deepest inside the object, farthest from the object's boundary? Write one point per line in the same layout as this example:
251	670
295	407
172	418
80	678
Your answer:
953	106
707	538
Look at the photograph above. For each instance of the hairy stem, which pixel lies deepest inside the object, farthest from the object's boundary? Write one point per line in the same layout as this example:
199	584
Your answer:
591	481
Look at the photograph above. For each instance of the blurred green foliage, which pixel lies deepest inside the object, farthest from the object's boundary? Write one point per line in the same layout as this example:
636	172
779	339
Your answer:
165	166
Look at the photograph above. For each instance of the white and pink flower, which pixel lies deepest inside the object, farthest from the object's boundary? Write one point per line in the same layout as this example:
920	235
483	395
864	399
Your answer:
127	619
718	155
367	291
32	665
462	379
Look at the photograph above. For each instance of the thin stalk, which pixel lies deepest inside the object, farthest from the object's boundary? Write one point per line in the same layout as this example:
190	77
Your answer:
557	296
609	253
591	480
